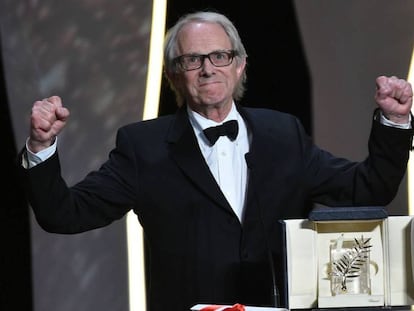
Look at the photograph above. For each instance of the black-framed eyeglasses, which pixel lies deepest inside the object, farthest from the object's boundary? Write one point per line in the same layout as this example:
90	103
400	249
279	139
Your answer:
195	61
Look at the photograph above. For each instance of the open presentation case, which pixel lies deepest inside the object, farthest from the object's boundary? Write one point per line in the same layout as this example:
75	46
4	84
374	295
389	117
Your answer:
349	258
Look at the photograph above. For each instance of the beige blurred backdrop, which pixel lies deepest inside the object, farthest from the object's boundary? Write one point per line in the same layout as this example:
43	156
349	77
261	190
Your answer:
348	43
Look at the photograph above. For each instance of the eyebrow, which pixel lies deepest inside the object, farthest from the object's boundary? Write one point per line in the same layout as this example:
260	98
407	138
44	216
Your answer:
214	51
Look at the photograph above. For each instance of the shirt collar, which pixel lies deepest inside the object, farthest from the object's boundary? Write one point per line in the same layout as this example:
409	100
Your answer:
200	122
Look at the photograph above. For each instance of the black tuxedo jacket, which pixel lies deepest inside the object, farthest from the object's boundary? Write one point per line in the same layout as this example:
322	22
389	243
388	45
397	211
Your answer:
198	252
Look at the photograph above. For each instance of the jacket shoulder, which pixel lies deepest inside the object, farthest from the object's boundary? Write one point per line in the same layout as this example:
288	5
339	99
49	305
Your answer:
270	117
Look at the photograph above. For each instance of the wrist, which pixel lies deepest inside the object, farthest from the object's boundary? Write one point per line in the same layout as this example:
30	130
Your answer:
395	118
36	146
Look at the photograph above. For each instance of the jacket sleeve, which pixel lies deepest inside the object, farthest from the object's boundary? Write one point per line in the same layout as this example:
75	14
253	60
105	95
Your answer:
373	181
95	202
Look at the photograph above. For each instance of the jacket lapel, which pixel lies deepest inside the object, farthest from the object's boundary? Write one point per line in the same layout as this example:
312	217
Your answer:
186	153
261	156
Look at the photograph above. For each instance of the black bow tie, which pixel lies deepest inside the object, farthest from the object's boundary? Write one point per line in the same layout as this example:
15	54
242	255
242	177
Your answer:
229	129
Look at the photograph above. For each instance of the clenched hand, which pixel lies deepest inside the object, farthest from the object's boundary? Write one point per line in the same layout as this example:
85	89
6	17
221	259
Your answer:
394	97
47	119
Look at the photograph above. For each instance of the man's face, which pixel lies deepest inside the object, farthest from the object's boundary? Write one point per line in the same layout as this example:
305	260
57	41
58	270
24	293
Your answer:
207	86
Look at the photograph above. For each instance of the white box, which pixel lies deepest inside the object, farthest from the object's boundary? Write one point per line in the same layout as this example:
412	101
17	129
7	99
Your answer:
308	261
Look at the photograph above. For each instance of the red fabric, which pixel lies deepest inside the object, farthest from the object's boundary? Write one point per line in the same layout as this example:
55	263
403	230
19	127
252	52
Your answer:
236	307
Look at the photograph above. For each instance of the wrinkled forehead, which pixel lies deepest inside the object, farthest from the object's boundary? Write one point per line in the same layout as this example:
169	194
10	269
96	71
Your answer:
202	37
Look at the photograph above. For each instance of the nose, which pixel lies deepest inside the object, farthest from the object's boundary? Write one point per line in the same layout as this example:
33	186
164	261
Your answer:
207	65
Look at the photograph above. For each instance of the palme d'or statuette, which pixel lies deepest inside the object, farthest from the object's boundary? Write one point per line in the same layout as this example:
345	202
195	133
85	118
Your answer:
349	269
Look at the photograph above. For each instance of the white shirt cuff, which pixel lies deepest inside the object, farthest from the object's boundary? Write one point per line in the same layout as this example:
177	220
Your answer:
387	122
32	159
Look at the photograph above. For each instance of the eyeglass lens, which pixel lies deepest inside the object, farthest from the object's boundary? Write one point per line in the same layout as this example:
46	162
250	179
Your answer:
195	61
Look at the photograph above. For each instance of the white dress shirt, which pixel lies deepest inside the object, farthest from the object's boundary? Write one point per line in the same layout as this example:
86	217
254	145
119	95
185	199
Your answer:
225	158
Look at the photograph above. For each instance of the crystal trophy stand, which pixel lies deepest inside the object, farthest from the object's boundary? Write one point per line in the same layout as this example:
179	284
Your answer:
351	265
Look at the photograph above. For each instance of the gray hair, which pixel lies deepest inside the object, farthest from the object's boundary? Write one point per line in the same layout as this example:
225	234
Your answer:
170	47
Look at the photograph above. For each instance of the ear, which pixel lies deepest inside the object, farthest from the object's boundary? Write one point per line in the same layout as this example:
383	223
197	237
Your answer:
240	67
169	75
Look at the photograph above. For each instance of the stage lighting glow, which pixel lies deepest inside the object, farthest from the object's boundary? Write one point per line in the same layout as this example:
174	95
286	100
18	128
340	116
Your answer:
136	265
